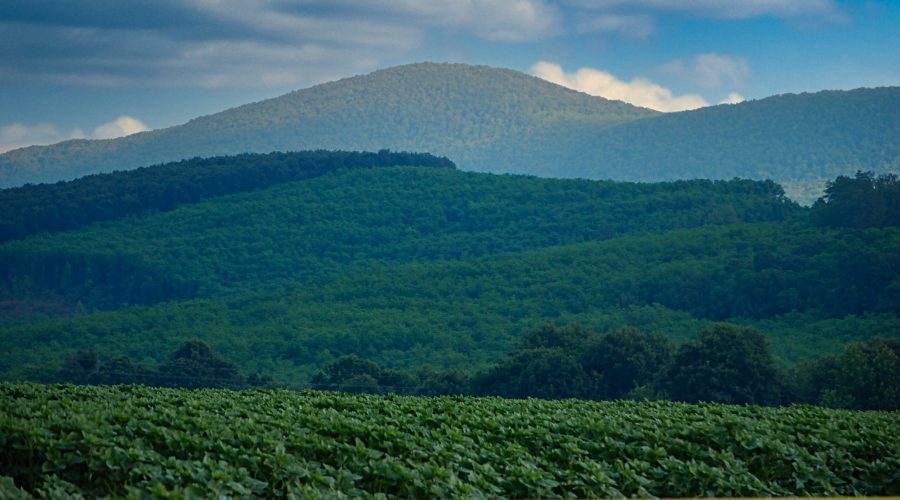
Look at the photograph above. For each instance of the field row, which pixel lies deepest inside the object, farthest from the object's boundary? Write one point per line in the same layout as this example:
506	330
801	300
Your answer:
125	440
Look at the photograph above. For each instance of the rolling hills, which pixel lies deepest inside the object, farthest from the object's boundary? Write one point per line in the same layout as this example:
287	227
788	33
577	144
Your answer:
421	265
497	120
350	219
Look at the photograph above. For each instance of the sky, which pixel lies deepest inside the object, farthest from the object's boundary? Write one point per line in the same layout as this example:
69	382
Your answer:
100	69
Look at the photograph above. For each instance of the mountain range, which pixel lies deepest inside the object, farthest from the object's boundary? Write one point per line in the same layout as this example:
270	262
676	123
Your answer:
503	121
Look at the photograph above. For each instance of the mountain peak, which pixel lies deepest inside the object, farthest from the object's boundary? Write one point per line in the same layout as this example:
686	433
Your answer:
500	120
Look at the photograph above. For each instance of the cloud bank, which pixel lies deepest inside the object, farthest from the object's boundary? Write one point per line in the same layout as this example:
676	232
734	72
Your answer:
241	43
120	127
638	91
20	135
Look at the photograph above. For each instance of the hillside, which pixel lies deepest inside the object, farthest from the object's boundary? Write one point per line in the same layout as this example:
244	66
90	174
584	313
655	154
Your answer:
798	140
69	205
472	113
348	219
409	265
809	291
498	120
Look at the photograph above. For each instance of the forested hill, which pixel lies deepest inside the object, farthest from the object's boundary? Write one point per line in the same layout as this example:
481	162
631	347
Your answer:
407	266
348	219
474	114
499	120
69	205
794	139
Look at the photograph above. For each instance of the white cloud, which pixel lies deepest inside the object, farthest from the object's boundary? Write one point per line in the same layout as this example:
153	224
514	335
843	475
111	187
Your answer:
732	98
120	127
826	10
19	135
637	27
710	71
638	91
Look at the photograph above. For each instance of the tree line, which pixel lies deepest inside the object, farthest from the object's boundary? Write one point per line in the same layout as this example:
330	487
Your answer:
862	201
725	364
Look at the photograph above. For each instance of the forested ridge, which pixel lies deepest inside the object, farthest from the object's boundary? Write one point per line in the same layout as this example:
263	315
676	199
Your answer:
498	120
65	206
408	268
353	219
476	114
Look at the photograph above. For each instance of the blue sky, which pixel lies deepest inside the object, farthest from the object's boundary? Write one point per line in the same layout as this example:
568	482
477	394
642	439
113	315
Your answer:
103	68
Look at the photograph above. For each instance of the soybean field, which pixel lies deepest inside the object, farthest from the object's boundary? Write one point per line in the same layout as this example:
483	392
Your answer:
135	441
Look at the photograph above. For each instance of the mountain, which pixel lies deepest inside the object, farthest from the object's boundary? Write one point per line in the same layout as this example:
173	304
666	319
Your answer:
474	114
499	120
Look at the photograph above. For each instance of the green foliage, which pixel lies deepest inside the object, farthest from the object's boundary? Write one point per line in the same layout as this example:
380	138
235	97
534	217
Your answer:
196	364
433	382
65	206
412	266
130	440
859	202
806	286
865	376
193	364
350	220
627	359
727	364
354	374
539	372
573	338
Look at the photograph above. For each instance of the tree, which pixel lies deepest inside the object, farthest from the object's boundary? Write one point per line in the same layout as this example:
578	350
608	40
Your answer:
78	367
120	370
728	364
866	376
196	364
431	382
549	373
354	374
627	359
859	202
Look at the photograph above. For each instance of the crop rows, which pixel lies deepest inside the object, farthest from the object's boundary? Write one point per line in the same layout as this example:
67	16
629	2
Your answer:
137	441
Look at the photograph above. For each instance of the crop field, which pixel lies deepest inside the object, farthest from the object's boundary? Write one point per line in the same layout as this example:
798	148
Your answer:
136	441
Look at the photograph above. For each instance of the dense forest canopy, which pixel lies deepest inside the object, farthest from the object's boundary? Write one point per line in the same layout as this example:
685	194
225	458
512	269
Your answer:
69	205
434	275
351	219
498	120
862	201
